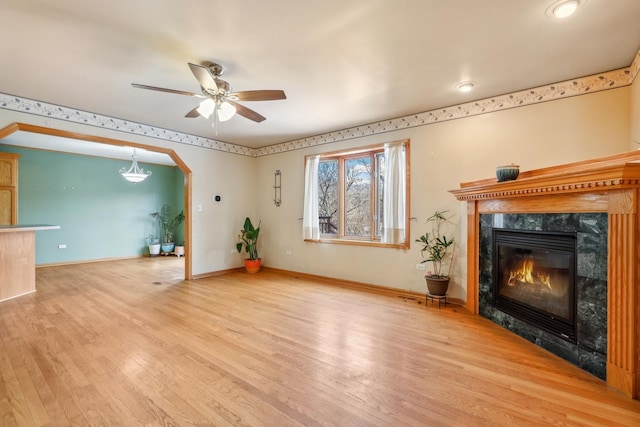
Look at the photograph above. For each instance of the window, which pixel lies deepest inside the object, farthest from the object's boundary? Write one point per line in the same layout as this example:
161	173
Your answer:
350	187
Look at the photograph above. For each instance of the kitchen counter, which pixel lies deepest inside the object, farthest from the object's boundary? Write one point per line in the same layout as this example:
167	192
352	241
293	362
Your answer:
18	259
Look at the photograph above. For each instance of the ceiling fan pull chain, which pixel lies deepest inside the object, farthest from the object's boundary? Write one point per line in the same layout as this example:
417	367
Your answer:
214	120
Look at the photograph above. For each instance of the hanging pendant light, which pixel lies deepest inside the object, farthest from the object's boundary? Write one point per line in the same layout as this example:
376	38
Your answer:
134	173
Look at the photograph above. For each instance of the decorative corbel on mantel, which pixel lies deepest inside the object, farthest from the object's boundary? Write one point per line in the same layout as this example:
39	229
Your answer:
608	184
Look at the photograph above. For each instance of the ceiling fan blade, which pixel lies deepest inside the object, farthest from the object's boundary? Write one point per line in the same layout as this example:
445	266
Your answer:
247	112
258	95
193	113
162	89
204	77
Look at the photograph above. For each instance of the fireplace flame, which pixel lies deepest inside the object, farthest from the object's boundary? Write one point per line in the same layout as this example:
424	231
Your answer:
525	273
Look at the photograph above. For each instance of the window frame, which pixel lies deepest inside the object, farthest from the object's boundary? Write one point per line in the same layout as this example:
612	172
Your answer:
342	156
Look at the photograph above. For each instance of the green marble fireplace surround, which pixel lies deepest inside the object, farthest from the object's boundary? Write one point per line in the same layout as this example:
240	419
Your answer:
589	351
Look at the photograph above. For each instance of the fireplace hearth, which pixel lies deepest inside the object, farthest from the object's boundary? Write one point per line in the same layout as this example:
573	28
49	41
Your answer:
534	279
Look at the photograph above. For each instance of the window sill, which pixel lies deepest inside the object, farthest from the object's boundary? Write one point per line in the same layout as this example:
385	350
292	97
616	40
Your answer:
353	242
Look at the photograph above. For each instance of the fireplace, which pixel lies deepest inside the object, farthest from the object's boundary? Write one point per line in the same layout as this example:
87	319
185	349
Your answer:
544	277
535	279
603	194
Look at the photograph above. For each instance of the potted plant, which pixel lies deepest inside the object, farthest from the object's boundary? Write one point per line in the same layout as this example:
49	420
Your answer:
179	250
153	243
435	248
248	240
169	224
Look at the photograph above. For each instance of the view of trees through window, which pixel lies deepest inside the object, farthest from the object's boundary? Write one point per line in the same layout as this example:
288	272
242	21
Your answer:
358	181
328	196
358	197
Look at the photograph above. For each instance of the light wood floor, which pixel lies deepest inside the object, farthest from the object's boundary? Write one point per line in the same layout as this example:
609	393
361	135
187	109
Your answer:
129	343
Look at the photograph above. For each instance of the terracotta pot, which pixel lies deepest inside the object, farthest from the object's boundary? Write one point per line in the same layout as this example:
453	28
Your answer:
436	286
252	265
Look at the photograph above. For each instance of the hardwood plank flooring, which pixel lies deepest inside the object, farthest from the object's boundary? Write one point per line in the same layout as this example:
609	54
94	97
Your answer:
128	343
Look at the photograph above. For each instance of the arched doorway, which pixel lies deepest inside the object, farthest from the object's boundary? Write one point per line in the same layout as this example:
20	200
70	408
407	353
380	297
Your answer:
74	136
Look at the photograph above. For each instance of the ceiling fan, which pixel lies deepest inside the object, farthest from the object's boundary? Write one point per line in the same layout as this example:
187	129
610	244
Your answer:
218	100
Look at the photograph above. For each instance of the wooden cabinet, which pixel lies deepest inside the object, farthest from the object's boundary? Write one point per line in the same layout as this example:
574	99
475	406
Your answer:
8	188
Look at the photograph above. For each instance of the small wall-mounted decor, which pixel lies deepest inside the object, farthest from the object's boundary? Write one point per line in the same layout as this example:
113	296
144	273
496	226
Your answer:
277	188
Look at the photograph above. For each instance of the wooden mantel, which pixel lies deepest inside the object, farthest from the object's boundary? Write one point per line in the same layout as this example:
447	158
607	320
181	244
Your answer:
608	184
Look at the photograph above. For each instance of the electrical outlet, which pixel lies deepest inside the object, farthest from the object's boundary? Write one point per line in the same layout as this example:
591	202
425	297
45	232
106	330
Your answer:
62	246
233	251
420	266
288	252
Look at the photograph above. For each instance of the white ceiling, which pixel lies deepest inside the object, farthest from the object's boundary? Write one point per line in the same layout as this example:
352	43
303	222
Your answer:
341	63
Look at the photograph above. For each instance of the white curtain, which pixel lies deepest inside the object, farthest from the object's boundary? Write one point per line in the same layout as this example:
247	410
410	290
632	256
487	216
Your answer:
310	220
395	194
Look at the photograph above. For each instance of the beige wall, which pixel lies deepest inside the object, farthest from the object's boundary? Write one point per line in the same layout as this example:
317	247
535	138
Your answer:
442	156
635	114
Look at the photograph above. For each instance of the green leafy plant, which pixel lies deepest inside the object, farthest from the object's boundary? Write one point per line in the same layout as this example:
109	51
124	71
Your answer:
168	222
248	239
435	245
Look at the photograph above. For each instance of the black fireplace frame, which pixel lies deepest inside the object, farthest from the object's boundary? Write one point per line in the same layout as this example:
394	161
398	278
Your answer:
565	329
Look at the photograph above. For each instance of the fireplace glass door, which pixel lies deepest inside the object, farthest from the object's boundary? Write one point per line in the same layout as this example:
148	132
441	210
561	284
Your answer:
534	278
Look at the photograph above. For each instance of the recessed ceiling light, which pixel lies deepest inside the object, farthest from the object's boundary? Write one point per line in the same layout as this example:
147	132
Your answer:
563	8
465	87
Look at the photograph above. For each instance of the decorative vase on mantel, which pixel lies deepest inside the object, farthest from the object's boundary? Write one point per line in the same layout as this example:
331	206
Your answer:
508	172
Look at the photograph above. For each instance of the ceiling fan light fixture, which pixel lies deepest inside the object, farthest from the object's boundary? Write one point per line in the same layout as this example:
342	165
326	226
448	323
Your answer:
225	111
218	100
206	107
134	173
563	8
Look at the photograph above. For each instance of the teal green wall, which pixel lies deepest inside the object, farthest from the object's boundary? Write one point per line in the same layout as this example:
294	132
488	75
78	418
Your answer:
101	214
178	204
